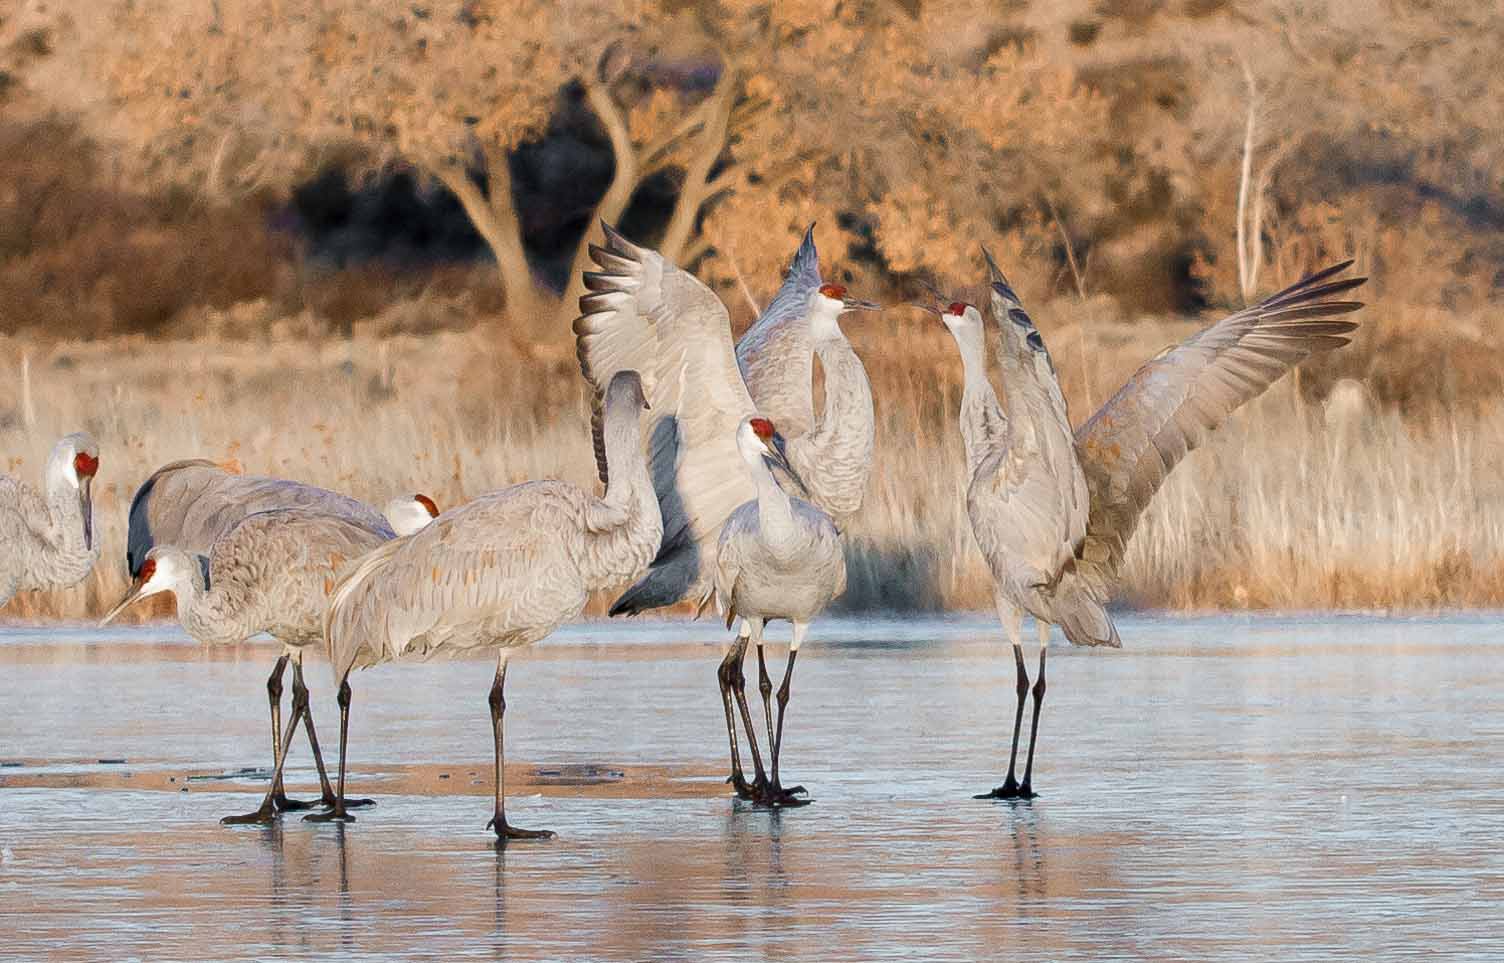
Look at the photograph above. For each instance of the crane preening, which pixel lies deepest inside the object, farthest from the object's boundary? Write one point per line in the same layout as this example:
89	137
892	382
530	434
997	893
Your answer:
1052	510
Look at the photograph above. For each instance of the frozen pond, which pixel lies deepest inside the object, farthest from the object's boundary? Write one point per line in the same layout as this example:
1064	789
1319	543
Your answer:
1224	788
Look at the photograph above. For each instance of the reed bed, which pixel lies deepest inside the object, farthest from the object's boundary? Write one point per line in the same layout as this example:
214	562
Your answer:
1291	505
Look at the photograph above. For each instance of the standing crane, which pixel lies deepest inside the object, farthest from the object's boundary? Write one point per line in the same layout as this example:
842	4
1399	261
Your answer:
833	455
1027	472
47	538
778	557
499	573
271	572
646	313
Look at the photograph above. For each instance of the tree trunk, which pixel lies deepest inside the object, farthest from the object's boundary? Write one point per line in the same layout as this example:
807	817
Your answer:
696	189
495	217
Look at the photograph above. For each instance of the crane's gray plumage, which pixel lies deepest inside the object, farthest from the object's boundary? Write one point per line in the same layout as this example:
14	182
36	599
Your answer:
778	557
506	569
834	454
647	315
188	504
47	537
776	354
1052	510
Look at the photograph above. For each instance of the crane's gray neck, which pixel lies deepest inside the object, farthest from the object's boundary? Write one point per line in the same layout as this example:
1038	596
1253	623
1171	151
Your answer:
623	528
775	512
205	611
983	422
836	458
63	559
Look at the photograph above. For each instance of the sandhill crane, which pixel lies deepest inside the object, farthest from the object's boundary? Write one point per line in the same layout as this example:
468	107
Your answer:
833	455
648	314
501	572
271	572
47	538
188	504
1025	485
778	558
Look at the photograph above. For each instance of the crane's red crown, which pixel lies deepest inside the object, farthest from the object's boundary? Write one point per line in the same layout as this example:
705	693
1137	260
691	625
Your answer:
957	308
85	464
148	569
428	505
762	428
836	291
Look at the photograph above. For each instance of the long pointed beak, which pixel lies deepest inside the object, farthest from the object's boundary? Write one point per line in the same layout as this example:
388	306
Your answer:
857	304
779	455
86	504
131	594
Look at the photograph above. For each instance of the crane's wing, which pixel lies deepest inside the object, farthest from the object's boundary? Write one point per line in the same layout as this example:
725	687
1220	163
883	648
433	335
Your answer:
1043	443
776	356
1174	401
644	313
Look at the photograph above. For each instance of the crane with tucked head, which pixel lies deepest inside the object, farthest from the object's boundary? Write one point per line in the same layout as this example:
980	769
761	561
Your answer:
1052	510
500	572
47	537
269	571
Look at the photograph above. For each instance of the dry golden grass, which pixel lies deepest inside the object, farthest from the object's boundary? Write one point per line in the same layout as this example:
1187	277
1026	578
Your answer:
1281	510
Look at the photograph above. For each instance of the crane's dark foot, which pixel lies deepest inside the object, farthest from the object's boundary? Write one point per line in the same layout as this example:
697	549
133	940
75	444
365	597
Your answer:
1008	790
744	789
335	815
505	831
286	805
329	802
264	816
774	796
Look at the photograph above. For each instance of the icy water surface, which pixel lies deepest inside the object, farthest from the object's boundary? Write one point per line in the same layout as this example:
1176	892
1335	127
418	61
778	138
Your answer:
1221	789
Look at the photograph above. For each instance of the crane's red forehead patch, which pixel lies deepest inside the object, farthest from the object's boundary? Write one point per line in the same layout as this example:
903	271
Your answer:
957	308
762	428
148	569
428	505
837	291
85	464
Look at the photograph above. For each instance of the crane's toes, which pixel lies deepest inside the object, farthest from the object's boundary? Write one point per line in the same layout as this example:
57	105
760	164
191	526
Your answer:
328	802
1008	790
776	797
264	816
506	831
286	805
332	816
744	789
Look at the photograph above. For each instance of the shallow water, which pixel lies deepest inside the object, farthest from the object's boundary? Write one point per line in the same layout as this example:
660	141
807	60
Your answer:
1224	788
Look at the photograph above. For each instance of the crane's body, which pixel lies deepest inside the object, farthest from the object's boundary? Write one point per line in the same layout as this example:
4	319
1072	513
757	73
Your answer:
779	557
502	571
833	455
1052	509
47	537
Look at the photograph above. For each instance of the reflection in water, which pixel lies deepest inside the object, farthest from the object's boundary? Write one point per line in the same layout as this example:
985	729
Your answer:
1317	790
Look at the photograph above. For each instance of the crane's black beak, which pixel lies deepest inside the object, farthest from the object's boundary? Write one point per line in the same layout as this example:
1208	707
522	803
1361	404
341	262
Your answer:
86	505
131	594
857	304
779	456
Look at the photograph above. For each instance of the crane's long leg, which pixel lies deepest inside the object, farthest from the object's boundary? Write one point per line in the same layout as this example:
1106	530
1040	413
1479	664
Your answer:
267	811
498	703
780	796
274	698
337	813
765	686
725	675
1011	618
739	689
1026	788
328	796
